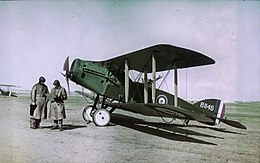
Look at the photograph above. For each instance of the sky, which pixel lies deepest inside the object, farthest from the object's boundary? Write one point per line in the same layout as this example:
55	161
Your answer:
37	36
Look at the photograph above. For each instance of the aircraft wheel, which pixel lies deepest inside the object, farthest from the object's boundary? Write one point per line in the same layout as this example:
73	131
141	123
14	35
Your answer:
86	114
101	117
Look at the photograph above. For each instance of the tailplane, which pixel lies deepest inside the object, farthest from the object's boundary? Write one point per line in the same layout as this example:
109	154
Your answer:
219	108
233	123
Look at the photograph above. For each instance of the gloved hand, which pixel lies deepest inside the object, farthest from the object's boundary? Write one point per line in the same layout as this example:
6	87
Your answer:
57	98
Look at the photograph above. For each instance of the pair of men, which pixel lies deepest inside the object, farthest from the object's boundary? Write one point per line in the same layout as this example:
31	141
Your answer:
40	97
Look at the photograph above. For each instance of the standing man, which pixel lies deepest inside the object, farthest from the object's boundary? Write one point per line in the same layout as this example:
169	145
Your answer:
39	98
57	108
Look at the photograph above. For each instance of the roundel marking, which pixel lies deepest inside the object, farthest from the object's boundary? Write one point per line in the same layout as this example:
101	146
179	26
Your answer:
162	99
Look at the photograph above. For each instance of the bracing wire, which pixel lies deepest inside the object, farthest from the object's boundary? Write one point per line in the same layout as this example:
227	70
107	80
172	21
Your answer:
173	118
163	81
137	78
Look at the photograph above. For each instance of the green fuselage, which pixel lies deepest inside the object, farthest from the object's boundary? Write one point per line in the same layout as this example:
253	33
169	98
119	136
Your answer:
108	82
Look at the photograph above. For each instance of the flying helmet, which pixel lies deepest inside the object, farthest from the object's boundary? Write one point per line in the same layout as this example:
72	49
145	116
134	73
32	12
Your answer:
42	79
56	83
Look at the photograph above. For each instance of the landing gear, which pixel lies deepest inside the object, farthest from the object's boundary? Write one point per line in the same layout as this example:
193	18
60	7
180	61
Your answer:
99	115
186	122
86	114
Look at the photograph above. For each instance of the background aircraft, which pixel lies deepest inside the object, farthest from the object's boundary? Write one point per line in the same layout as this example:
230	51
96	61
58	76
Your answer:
110	81
8	91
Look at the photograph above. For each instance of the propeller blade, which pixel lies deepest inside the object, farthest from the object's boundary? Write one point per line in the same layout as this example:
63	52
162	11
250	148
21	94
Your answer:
67	80
66	72
66	66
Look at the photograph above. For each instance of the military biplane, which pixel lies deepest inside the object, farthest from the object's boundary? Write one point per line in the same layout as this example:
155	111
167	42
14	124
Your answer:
8	91
114	89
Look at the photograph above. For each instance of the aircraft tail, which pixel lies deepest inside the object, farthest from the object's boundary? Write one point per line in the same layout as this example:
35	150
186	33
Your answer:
214	105
219	108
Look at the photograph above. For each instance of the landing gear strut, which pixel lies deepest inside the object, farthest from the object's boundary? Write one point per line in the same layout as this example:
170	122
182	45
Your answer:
186	122
100	116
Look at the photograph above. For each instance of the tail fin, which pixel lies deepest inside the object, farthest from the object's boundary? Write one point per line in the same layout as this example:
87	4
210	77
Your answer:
214	105
219	108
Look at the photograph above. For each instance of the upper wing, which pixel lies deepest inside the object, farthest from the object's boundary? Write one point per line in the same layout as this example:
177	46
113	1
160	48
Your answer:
162	110
165	55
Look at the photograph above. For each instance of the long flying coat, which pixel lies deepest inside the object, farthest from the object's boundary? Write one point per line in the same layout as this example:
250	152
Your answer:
38	96
57	108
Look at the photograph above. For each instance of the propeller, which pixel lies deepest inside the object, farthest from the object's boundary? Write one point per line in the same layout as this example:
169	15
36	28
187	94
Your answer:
66	73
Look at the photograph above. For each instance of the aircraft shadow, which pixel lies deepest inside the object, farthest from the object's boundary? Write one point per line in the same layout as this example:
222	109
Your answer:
169	126
167	131
216	129
67	126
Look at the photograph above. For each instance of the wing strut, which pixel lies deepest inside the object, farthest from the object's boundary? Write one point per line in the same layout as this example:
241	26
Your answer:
175	85
145	86
126	81
153	78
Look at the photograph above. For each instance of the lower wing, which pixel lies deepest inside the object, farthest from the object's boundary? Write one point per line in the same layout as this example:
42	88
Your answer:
162	110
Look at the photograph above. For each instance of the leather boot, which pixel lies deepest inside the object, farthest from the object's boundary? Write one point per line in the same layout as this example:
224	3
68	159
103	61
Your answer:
56	126
61	125
38	122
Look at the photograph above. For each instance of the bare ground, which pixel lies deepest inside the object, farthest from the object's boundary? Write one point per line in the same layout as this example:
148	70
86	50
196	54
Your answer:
129	138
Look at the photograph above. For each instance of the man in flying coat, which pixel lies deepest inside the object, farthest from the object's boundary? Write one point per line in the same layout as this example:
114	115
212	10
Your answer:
57	108
39	100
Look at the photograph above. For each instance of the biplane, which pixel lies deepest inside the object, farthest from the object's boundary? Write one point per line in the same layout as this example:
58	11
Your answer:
8	91
114	89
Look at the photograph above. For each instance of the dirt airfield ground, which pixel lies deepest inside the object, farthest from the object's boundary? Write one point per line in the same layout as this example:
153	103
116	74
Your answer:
129	138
